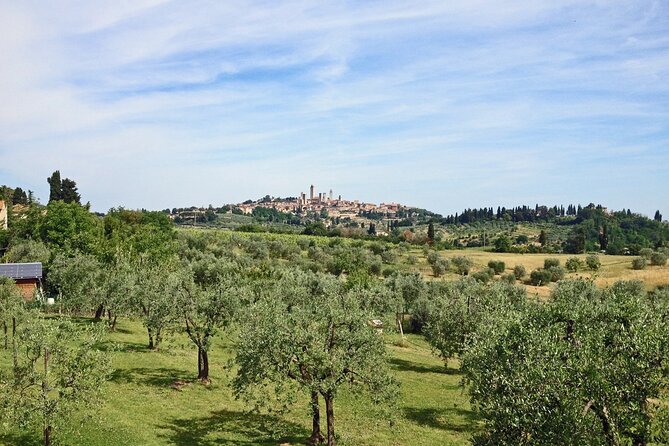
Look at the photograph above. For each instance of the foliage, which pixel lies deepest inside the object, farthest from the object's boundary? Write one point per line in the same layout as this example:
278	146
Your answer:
579	370
519	271
639	263
69	227
497	265
22	251
503	244
541	277
573	264
484	276
557	273
62	190
76	280
646	253
310	336
593	262
138	233
440	267
548	263
458	309
509	278
61	370
205	308
658	258
462	265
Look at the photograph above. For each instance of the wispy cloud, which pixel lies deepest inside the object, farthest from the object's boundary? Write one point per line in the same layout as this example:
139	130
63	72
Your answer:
151	103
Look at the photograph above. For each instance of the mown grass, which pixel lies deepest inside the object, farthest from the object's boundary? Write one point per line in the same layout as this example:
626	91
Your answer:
143	406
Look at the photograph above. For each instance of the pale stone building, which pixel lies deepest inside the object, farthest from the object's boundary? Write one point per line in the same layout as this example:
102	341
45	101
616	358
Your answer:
3	215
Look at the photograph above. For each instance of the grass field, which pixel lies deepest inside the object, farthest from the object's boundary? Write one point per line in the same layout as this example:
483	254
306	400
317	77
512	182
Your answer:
153	399
144	407
613	268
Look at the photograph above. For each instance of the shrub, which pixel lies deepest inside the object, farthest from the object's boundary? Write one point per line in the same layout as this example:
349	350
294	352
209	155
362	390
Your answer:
462	265
411	259
376	248
573	264
497	266
519	271
503	244
646	253
658	258
593	262
557	273
387	272
483	276
388	256
439	267
303	243
540	277
375	268
509	277
639	263
433	257
548	263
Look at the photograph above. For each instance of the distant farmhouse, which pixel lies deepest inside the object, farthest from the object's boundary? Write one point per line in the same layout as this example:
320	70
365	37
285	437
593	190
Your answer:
28	277
3	215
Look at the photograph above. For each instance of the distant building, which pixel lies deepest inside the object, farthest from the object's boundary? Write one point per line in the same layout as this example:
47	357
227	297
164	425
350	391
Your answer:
311	192
3	215
28	277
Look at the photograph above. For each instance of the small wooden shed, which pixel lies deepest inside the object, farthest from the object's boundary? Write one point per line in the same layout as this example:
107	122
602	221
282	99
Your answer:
28	277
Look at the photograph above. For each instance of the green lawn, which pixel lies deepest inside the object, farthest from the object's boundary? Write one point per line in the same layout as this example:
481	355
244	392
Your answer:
143	407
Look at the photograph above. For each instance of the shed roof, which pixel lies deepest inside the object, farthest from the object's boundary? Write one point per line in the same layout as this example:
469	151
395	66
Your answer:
21	270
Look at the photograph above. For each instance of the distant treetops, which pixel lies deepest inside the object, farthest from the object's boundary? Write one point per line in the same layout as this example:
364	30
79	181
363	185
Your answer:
62	190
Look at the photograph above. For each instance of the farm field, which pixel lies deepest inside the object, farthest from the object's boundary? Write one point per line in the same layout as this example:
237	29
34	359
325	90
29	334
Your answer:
153	399
613	267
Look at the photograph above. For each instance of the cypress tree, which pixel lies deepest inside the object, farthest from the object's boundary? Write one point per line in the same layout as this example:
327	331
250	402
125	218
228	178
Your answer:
55	187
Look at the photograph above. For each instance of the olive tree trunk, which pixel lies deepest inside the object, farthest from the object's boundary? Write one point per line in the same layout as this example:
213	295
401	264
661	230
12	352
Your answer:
316	437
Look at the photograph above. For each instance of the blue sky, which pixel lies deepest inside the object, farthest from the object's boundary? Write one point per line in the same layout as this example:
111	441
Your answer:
442	105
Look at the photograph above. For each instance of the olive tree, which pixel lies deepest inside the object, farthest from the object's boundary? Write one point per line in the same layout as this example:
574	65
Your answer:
76	281
407	288
582	369
11	310
310	337
458	308
155	296
204	310
59	370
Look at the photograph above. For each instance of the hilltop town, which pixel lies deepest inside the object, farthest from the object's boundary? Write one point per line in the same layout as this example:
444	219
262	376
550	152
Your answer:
317	203
315	206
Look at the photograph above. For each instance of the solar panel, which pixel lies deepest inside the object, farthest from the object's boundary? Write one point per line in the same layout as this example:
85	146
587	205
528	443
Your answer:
21	270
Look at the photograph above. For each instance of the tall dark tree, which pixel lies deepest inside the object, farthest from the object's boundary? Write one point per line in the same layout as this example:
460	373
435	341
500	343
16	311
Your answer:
68	192
20	196
543	238
604	238
55	187
430	232
658	216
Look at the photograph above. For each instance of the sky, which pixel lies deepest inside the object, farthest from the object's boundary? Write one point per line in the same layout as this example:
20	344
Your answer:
437	104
